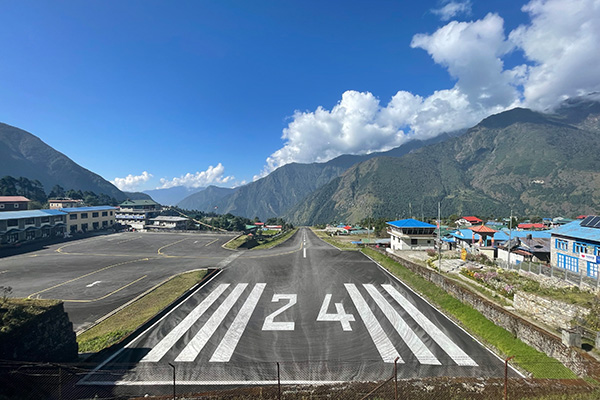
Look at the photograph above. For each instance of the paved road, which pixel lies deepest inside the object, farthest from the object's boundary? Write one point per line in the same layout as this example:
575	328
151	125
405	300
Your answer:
94	276
323	314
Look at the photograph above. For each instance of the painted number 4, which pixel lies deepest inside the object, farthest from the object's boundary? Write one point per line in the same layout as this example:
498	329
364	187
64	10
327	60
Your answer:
340	314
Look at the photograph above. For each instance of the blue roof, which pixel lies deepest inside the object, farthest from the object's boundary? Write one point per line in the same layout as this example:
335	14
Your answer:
575	230
28	214
85	209
410	223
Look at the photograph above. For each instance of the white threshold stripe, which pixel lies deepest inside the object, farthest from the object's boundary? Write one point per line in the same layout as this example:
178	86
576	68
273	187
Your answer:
195	346
455	352
423	354
385	347
227	346
205	383
172	337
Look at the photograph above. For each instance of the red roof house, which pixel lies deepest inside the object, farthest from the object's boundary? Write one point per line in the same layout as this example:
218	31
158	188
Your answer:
473	220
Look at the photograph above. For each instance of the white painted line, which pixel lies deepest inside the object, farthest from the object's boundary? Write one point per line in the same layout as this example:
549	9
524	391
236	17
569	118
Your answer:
340	314
423	354
195	346
206	383
455	352
304	252
227	346
172	337
223	263
385	347
92	284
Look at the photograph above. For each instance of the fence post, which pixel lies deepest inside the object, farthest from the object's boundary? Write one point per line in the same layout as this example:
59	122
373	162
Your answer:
60	383
396	378
174	391
278	383
506	376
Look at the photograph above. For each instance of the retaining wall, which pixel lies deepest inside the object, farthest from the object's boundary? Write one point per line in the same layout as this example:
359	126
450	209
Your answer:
575	359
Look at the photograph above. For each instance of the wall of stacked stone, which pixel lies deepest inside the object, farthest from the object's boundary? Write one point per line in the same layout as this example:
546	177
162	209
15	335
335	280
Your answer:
556	314
47	337
575	359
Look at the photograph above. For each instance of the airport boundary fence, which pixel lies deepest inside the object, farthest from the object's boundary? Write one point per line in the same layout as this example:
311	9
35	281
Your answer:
283	380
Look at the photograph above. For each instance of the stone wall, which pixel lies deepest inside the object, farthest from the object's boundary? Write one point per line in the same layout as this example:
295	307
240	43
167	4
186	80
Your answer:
541	340
47	337
556	314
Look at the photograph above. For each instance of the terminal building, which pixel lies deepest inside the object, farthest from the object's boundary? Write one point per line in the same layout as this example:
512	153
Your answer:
137	213
23	226
576	246
410	234
85	219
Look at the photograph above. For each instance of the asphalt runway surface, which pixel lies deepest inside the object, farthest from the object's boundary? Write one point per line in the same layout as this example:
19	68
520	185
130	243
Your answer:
324	315
94	276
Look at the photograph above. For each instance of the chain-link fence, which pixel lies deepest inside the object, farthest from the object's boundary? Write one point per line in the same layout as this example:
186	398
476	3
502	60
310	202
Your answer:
580	279
285	380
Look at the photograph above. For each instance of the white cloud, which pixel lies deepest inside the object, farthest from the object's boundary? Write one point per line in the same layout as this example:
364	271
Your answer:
212	175
452	9
131	182
561	44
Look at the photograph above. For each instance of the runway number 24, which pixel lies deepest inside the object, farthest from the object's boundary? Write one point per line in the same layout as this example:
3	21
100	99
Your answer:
340	315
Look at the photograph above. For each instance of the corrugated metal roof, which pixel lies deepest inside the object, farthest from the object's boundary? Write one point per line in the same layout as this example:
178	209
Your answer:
410	223
575	230
87	209
500	236
29	214
9	199
139	203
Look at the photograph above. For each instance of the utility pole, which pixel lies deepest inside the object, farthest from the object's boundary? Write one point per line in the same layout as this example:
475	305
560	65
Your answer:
509	236
439	238
409	209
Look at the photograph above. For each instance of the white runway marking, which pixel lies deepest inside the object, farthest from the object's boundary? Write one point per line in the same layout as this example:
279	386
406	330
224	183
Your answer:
195	346
227	346
304	252
423	354
455	352
340	314
385	347
93	284
168	341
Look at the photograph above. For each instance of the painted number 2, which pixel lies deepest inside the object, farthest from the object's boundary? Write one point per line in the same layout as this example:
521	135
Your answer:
270	324
340	314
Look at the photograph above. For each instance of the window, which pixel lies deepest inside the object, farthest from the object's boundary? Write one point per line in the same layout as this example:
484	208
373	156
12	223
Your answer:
104	223
414	242
84	215
72	216
84	227
1	205
13	222
94	215
111	213
567	262
45	219
561	244
105	213
592	269
29	221
579	247
95	225
16	205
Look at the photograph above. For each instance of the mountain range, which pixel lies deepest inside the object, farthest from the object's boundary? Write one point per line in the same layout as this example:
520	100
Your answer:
26	155
530	162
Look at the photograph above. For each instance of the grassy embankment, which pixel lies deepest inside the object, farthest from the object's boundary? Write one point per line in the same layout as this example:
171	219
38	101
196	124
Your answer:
16	312
125	321
531	360
266	241
340	244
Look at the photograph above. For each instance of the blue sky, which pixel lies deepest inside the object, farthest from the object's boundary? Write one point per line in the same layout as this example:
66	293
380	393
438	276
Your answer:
155	94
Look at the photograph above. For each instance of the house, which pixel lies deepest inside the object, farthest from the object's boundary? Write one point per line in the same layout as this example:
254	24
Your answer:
468	221
137	213
576	246
411	234
84	219
531	226
164	222
527	248
22	226
56	204
13	203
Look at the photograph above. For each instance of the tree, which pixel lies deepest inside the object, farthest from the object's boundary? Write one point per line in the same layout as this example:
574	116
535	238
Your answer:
57	192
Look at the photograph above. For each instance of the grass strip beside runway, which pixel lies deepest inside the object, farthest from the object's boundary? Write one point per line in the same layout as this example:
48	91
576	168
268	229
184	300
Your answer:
276	240
537	363
117	326
334	242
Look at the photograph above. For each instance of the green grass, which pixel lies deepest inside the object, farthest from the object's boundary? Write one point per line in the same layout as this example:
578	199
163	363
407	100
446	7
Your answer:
537	363
272	242
125	321
334	242
17	312
237	242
